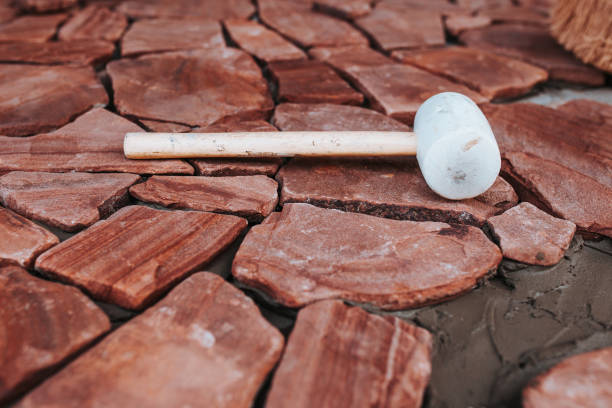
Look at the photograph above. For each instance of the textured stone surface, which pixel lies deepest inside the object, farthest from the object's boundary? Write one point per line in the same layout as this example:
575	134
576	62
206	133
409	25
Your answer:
68	201
593	111
77	52
345	9
94	22
252	197
42	324
213	9
31	28
93	142
500	195
458	24
474	5
492	75
21	241
513	14
8	11
133	257
443	7
343	356
194	88
164	127
45	5
349	56
305	254
527	234
205	344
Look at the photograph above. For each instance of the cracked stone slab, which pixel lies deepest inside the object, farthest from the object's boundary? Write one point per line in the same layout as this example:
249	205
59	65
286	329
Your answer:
344	9
212	9
593	111
92	143
94	22
252	197
494	76
306	254
74	52
443	7
31	28
21	241
43	323
460	23
529	235
68	201
519	15
132	258
206	344
196	88
43	6
349	56
388	360
164	127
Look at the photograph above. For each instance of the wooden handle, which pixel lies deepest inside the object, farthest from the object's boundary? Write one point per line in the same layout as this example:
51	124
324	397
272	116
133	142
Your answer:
268	144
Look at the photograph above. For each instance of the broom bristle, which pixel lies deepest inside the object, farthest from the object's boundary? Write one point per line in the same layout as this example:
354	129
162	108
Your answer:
585	28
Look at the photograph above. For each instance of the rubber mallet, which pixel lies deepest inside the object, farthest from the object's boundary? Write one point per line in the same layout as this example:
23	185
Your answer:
453	142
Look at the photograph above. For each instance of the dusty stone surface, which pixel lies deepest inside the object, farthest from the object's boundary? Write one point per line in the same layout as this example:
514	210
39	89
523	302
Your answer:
68	201
77	52
136	255
93	143
308	81
42	324
45	5
31	28
212	9
166	34
529	235
206	344
349	56
534	45
458	24
387	358
195	88
252	197
344	9
21	241
386	264
596	112
492	75
94	22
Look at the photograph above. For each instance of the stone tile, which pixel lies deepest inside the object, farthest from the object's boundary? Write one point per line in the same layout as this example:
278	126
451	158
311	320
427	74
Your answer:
252	197
136	255
387	360
68	201
93	142
164	127
31	28
593	111
513	14
212	9
392	188
345	57
261	42
77	52
69	90
344	9
306	254
529	235
94	22
500	195
165	34
205	344
474	5
21	241
309	81
43	323
494	76
444	7
534	45
458	24
195	88
41	6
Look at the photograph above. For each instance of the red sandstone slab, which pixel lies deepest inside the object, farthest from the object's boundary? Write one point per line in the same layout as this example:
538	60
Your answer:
8	11
94	22
474	5
42	324
593	111
349	56
543	6
534	45
195	88
306	254
513	14
387	359
93	143
21	241
212	9
252	197
205	344
500	195
344	9
133	257
264	44
36	99
164	127
492	75
77	52
443	7
165	34
43	6
460	23
68	201
309	81
31	28
527	234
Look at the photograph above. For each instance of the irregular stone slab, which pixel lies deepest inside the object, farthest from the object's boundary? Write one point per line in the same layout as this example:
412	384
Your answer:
500	195
94	22
68	201
205	344
350	56
165	34
164	127
43	323
534	45
458	24
195	88
529	235
265	44
69	90
133	257
21	241
443	7
387	358
344	9
579	381
475	5
309	81
45	5
562	192
8	11
513	14
31	28
593	111
252	197
212	9
543	6
392	188
492	75
296	20
77	52
305	254
93	142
